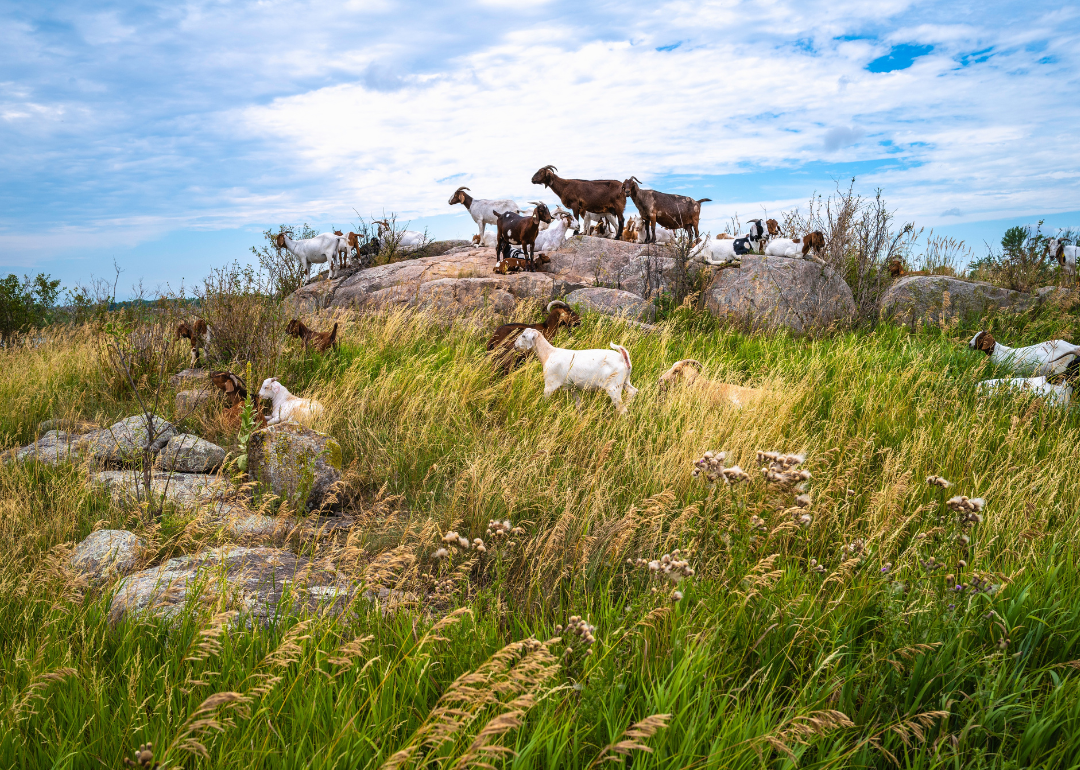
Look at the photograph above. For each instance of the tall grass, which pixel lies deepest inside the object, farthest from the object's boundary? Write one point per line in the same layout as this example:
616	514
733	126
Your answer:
837	644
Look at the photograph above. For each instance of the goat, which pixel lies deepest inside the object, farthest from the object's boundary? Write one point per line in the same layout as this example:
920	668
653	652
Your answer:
1055	393
1044	359
774	227
552	238
512	264
482	210
321	341
199	337
688	371
632	230
317	250
406	239
675	212
814	241
606	370
604	223
1065	255
502	339
725	251
487	239
231	385
603	196
287	407
352	241
724	236
783	247
514	228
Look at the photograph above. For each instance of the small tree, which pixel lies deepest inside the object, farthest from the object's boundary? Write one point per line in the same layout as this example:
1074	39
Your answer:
26	303
1024	262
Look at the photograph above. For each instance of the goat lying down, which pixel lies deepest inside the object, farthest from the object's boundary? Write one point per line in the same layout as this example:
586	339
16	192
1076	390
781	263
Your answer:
606	370
285	407
1056	394
688	371
1042	360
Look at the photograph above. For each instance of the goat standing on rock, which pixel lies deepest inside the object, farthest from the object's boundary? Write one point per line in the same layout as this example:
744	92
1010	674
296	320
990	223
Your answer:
603	196
675	212
483	211
318	250
606	370
514	228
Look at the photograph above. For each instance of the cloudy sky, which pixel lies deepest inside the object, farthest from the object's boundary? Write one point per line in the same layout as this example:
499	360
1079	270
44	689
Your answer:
166	136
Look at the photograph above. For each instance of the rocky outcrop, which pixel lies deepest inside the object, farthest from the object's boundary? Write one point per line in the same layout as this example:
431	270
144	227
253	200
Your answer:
612	302
771	292
197	379
187	453
295	463
107	553
260	582
936	299
124	442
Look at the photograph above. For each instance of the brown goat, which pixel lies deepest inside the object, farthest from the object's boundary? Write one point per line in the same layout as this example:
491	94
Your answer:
502	339
815	241
507	265
522	230
675	212
601	196
231	385
774	227
199	337
321	341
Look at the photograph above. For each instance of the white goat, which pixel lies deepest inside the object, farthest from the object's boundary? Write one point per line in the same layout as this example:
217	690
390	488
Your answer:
1055	394
606	370
588	217
317	250
783	247
663	235
482	210
1065	255
407	239
724	251
487	239
553	237
287	407
1045	359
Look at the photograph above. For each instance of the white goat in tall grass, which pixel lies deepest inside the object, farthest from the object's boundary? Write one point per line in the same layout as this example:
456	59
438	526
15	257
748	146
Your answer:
606	370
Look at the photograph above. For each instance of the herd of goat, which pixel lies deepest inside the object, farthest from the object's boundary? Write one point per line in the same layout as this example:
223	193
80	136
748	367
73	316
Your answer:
599	204
1054	367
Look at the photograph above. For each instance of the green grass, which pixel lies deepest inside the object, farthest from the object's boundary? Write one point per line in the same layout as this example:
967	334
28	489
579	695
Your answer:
765	662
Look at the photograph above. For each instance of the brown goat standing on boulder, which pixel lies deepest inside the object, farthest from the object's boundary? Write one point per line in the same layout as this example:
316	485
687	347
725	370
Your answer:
522	230
502	339
602	196
675	212
321	341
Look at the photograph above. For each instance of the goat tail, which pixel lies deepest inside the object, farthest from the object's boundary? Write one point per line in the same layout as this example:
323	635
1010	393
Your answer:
625	355
704	200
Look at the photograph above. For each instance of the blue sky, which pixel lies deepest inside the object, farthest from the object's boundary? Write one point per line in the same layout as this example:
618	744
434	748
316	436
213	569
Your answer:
167	136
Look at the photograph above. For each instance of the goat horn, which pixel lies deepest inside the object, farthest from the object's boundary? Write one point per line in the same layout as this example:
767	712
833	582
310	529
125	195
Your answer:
551	167
460	189
557	303
636	179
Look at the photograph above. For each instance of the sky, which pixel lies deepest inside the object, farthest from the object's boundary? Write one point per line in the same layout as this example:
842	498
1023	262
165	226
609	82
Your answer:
166	137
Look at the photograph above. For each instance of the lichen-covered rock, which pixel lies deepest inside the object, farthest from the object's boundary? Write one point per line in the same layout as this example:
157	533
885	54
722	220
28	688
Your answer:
770	292
124	442
612	302
106	553
263	583
53	447
937	299
191	378
188	453
73	426
298	464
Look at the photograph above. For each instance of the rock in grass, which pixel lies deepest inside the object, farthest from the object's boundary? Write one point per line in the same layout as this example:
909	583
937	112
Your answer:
612	302
934	299
72	426
124	442
187	491
53	447
106	553
187	453
263	583
297	464
187	401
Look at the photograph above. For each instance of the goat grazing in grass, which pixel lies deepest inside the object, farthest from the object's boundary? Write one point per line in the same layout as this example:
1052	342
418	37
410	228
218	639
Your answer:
199	337
285	407
604	196
1045	359
482	210
502	340
688	372
675	212
321	341
606	370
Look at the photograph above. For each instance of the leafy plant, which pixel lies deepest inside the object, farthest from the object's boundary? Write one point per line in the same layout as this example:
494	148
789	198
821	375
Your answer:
26	303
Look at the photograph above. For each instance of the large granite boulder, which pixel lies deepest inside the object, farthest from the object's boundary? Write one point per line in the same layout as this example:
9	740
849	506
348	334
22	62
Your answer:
187	453
771	292
261	582
937	299
297	464
124	442
612	302
106	553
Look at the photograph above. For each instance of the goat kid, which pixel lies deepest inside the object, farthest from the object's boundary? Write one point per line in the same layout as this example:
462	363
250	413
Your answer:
552	238
199	337
482	210
1045	359
688	371
285	407
606	370
321	341
815	242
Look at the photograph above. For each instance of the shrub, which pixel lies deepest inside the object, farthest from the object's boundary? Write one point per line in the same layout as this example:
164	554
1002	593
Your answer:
238	302
26	303
1023	264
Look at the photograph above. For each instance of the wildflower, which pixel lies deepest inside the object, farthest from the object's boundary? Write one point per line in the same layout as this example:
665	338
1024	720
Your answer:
805	520
464	543
676	596
481	548
961	564
735	475
442	553
803	501
1003	643
938	481
756	522
887	568
963	539
450	537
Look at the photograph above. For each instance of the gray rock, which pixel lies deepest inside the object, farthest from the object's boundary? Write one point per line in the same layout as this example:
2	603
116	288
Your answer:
264	583
123	443
256	525
106	553
612	302
188	453
188	491
298	464
934	299
189	401
770	292
54	447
